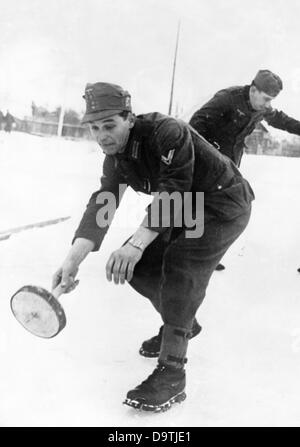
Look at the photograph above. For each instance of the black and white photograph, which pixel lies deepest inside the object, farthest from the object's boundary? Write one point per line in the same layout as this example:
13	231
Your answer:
150	215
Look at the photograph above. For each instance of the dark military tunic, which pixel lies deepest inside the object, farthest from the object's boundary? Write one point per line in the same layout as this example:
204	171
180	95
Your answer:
165	154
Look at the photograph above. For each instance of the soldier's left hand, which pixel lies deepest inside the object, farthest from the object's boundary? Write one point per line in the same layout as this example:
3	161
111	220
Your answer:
122	262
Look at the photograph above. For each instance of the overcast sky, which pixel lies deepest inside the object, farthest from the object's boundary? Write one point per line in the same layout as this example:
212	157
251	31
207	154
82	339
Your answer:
50	49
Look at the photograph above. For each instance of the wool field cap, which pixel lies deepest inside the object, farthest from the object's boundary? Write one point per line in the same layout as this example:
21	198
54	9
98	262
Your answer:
268	82
104	100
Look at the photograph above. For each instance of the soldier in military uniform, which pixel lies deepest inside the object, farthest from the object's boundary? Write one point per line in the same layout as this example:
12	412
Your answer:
158	153
233	113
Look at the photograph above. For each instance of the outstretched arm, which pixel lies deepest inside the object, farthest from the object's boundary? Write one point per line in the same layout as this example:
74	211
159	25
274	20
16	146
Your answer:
90	233
282	121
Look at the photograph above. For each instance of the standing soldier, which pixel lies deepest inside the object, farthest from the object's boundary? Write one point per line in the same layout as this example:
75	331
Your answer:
232	114
161	261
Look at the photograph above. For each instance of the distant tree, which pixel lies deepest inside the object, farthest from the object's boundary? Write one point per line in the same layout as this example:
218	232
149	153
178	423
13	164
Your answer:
33	109
38	111
71	117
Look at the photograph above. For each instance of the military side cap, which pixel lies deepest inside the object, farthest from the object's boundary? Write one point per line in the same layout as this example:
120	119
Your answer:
268	82
104	100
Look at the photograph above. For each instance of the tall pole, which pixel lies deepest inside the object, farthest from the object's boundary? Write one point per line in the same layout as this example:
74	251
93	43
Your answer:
63	105
174	69
61	121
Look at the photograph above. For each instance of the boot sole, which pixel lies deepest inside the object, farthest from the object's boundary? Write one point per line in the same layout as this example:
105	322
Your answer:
148	353
180	397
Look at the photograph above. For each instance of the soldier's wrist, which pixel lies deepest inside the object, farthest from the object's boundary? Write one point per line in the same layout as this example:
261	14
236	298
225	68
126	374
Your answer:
137	243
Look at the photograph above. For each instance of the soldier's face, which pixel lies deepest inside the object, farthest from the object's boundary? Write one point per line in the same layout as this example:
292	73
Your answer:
260	100
112	133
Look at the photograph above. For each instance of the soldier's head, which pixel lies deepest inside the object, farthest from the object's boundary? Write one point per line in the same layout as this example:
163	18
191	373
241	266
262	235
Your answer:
109	115
264	88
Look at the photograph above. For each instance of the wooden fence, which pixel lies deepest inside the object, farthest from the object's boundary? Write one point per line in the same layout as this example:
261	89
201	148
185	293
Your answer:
48	128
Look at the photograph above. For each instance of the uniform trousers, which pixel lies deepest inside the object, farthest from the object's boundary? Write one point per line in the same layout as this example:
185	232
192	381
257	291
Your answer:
174	274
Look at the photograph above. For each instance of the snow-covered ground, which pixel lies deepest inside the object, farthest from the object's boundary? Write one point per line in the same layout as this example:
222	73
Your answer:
243	369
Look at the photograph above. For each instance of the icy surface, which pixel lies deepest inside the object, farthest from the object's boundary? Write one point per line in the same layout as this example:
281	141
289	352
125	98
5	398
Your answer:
243	369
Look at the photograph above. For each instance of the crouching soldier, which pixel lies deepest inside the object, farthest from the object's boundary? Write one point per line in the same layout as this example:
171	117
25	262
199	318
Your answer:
167	262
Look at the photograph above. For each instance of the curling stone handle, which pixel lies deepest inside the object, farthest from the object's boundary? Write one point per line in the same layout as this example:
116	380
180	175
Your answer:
57	291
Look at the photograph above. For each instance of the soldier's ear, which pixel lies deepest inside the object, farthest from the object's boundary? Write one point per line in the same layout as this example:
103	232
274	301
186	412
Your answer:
254	89
131	118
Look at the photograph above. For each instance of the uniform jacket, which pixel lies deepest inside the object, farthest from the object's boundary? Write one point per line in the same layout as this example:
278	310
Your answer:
166	154
228	118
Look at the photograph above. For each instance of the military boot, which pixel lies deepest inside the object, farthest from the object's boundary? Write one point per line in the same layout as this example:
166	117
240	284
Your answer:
166	385
151	347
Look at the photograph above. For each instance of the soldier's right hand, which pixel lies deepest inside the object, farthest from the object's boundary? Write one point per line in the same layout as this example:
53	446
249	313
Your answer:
65	277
